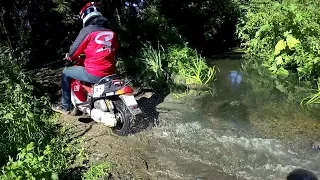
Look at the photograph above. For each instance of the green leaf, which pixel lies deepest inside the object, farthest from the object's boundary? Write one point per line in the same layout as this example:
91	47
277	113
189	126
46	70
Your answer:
291	41
54	176
272	68
279	60
280	87
282	72
281	45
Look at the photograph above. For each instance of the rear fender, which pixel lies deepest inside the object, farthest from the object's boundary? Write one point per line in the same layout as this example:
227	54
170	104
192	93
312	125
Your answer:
131	103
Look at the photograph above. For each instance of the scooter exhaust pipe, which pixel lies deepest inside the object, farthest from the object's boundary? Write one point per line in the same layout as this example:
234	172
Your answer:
107	118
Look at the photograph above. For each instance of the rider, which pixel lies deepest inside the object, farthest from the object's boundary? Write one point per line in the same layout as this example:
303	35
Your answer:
99	44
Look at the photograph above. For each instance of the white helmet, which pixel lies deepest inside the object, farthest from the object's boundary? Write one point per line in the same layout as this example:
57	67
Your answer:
89	11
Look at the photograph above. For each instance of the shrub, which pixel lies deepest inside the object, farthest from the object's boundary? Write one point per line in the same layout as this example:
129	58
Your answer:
283	36
28	130
24	117
35	163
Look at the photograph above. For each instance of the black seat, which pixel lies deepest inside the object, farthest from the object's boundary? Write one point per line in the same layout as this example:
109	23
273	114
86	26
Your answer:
86	83
104	79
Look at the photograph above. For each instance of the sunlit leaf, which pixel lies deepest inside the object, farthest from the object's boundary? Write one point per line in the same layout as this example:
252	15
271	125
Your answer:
281	45
279	60
291	41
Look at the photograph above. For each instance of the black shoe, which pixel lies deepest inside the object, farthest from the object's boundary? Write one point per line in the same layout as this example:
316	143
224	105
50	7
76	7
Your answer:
60	109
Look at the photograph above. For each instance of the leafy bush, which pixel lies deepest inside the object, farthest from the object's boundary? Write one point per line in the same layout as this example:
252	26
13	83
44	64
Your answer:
28	130
283	36
34	163
24	117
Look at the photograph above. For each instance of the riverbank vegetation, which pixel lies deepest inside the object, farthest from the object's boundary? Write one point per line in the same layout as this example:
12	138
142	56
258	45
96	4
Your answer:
283	37
164	44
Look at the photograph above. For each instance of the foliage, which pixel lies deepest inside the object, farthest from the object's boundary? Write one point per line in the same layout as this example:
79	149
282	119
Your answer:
24	118
97	171
282	36
207	25
28	129
180	65
154	61
190	66
311	99
34	163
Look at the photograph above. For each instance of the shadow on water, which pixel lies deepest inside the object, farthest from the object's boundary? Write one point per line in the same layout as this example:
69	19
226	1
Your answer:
148	106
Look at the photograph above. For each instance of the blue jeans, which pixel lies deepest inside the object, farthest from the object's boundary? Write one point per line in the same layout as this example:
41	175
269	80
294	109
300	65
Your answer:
75	72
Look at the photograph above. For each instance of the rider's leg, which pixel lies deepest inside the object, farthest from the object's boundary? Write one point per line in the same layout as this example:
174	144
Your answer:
75	72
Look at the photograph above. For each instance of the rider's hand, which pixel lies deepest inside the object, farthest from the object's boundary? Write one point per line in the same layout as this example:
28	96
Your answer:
66	57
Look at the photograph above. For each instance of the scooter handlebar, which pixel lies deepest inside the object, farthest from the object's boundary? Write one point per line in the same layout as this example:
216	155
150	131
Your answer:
73	62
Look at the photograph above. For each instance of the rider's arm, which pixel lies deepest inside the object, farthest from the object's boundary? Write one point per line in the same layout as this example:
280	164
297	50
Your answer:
79	45
115	43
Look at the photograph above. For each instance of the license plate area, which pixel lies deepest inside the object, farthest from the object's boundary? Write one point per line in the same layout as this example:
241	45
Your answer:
132	104
129	100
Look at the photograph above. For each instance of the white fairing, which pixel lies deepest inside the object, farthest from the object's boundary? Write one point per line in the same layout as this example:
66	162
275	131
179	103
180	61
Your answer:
101	105
74	99
107	118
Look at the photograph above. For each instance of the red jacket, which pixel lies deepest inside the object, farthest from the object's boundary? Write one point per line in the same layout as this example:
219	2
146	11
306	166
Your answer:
99	45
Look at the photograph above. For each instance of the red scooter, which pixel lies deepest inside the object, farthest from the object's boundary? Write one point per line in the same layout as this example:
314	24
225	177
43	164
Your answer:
109	101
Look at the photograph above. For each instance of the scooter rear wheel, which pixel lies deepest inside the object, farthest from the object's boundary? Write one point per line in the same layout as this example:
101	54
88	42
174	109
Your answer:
124	118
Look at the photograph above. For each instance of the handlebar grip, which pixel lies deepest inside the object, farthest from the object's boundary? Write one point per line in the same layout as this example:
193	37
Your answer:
82	56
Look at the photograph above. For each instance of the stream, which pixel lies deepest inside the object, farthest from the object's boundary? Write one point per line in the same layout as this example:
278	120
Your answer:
236	134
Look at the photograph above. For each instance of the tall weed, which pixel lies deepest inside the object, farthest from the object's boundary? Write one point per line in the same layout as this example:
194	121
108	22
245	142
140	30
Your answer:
190	67
179	65
154	61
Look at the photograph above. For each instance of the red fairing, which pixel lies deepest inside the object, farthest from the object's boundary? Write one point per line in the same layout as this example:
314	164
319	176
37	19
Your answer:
78	90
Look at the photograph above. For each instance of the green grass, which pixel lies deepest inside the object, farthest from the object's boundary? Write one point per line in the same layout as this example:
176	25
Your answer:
312	99
177	67
98	171
154	60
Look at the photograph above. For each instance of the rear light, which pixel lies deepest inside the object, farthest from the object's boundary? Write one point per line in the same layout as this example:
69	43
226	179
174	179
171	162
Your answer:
124	90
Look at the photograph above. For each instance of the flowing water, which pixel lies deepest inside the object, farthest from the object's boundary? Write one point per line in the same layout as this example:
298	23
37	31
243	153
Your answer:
244	132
